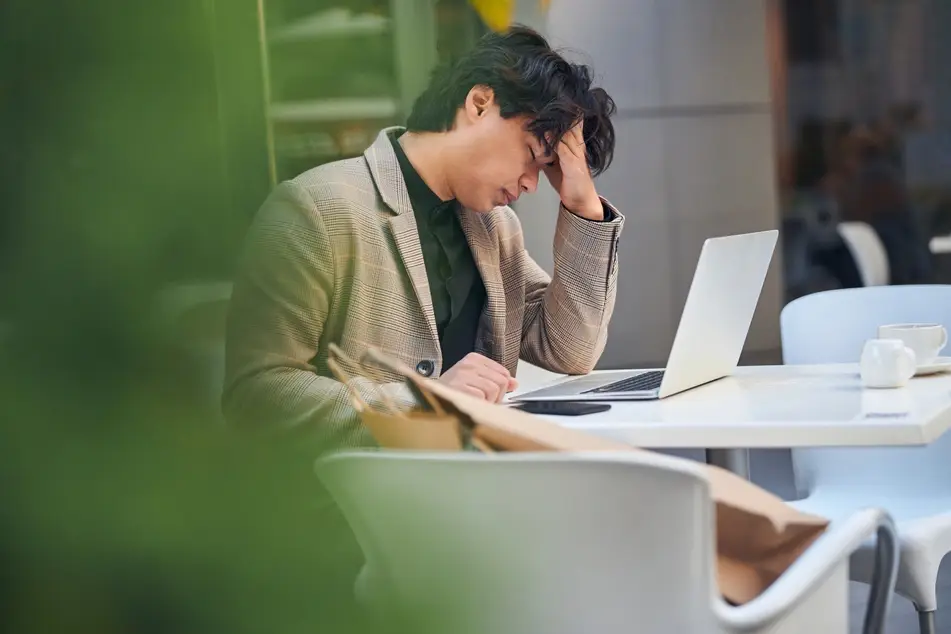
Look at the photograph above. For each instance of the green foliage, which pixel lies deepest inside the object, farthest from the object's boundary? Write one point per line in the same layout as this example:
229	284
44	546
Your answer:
125	506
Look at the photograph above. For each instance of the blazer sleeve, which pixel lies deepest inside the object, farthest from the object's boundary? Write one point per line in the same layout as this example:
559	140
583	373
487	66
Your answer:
566	315
282	294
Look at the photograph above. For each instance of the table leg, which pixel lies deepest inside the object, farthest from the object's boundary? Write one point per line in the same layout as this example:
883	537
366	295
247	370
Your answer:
735	460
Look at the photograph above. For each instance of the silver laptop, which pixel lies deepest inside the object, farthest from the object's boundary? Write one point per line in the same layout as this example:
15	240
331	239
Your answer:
713	327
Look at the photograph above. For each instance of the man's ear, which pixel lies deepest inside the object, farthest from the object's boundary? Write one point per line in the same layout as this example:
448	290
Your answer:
479	101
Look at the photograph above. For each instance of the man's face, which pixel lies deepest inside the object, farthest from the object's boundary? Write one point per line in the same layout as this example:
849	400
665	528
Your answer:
495	160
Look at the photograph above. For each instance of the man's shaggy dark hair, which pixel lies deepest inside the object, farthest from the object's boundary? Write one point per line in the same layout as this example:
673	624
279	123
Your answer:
528	78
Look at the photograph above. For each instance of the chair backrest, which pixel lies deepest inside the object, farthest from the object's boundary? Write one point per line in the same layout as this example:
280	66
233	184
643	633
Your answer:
869	252
832	327
533	543
194	315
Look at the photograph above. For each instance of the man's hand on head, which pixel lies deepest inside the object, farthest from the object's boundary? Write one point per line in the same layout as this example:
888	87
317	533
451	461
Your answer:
571	178
481	377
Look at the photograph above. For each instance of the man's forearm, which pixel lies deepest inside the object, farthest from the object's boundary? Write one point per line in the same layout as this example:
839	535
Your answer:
567	317
300	401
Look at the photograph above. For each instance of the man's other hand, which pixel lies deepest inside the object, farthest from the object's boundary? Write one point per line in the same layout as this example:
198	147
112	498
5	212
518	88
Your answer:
481	377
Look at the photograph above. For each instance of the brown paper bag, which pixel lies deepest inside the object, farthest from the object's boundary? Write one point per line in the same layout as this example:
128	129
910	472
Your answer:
758	535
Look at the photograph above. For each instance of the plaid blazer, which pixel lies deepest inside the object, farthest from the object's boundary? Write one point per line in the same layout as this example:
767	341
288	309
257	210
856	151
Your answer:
334	256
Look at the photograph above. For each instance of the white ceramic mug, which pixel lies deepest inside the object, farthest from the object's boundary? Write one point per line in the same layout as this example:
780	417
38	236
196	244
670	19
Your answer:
927	340
887	363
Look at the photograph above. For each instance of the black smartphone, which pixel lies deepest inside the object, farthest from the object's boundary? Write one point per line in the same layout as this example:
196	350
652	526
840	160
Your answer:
562	408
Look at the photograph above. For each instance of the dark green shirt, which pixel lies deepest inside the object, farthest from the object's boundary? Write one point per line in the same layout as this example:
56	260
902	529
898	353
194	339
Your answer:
457	290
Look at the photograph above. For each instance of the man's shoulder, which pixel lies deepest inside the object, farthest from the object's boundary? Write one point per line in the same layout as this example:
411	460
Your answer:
338	196
348	180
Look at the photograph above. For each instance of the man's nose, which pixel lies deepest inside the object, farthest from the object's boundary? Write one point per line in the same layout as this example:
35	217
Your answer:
529	182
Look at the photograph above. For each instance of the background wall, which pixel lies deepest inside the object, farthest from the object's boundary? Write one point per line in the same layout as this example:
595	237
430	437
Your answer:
695	152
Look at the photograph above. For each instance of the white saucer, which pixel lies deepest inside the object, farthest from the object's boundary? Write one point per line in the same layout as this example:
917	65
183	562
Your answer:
939	364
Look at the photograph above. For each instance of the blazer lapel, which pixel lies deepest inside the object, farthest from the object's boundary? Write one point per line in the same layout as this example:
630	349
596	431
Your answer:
486	255
406	237
388	178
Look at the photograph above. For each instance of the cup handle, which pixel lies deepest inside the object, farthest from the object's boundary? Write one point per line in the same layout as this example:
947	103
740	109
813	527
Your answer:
910	361
944	337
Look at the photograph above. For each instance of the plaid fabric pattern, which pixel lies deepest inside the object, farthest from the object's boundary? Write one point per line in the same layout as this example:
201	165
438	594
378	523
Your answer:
334	256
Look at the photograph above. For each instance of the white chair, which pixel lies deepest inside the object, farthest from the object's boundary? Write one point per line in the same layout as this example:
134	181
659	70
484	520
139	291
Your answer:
553	543
867	250
912	484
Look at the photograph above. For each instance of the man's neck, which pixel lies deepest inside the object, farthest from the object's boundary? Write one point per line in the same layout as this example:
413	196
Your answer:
426	151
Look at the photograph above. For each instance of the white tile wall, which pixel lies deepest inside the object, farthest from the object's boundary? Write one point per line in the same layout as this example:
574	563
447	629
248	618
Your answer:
669	53
620	38
636	183
713	52
642	329
720	165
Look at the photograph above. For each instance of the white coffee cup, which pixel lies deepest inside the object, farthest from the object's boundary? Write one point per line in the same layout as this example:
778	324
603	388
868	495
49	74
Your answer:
927	340
886	363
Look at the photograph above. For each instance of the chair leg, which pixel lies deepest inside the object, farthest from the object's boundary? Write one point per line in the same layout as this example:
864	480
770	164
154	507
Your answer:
926	622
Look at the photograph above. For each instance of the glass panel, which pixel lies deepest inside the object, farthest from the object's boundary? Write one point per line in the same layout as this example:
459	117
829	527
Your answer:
864	115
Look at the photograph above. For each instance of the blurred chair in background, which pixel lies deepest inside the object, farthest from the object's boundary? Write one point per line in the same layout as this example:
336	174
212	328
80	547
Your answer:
868	252
194	317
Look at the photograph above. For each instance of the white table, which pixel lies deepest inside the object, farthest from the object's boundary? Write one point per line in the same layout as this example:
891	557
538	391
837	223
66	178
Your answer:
779	406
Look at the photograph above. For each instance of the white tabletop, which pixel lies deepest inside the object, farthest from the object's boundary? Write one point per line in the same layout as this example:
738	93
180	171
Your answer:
781	406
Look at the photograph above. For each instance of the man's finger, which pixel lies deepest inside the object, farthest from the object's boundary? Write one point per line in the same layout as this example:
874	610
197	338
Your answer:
499	378
578	131
474	390
495	386
575	140
570	149
574	135
468	389
490	389
489	363
484	363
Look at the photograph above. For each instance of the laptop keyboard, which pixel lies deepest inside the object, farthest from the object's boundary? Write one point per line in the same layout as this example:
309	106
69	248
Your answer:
644	382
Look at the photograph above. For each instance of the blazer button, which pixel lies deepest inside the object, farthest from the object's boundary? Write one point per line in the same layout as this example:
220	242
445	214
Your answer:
425	367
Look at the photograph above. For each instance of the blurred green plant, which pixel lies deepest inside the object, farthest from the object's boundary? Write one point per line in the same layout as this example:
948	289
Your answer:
124	505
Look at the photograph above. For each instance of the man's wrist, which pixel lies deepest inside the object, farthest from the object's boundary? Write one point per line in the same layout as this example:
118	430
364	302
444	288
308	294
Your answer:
591	210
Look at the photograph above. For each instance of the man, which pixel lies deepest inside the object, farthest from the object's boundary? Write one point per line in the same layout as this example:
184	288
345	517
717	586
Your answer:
413	249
